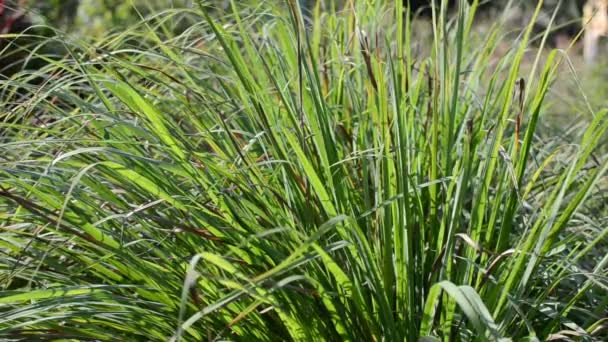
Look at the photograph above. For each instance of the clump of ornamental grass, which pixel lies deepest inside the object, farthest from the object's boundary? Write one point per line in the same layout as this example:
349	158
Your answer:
262	177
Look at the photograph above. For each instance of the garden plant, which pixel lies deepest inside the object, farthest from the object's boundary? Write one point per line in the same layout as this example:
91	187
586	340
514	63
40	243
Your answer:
261	175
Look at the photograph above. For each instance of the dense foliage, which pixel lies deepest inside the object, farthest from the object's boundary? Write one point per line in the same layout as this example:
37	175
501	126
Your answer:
256	176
